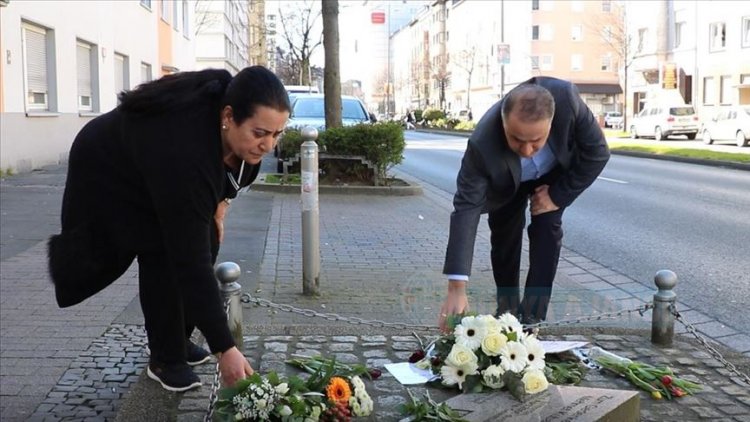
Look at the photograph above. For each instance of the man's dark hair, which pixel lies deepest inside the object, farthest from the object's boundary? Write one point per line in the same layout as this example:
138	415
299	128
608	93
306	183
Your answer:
531	102
252	87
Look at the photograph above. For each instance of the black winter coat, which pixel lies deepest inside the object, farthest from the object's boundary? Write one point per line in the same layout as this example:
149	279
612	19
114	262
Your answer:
139	184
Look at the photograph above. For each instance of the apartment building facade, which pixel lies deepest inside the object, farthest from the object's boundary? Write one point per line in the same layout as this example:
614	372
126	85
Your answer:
64	63
222	35
696	51
577	40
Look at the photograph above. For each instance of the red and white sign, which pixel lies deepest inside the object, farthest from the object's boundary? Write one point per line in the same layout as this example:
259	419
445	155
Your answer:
377	17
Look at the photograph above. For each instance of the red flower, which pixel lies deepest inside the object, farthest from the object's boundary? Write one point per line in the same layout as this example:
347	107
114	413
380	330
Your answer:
375	373
666	380
416	356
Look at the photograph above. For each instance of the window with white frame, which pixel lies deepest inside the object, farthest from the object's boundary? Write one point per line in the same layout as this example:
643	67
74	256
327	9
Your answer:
679	34
83	67
145	72
164	10
36	68
146	4
606	63
576	62
546	62
576	32
535	32
725	89
534	4
185	19
606	5
607	33
122	74
746	31
535	62
546	32
642	39
709	91
175	16
717	33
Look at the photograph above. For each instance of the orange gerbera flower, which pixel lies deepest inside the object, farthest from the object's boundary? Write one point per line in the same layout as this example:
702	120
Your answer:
338	390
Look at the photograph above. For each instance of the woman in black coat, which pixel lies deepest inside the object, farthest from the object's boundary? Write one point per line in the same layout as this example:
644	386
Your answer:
151	180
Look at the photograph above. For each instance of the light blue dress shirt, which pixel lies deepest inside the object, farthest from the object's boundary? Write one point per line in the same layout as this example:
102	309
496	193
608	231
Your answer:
538	165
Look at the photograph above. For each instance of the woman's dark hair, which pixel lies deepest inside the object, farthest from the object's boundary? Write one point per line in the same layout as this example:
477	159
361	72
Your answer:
254	86
176	92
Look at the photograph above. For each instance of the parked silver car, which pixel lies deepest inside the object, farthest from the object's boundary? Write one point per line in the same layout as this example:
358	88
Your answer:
660	121
728	124
309	110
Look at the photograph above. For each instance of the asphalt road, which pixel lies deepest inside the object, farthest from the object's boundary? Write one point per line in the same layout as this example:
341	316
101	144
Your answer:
643	215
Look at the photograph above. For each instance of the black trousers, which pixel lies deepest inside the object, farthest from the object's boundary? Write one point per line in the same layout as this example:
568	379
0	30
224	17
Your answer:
169	324
545	240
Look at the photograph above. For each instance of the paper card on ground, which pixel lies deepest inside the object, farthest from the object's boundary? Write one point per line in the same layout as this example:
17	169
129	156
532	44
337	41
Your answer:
408	374
551	347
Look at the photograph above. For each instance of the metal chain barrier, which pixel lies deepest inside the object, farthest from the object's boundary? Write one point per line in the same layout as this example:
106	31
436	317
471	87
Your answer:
598	317
215	385
247	298
711	350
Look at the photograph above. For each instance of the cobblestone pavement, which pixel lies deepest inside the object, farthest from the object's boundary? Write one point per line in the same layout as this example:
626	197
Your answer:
380	259
724	397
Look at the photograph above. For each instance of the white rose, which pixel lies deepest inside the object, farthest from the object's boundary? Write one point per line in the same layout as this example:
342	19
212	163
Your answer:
282	388
460	356
261	403
285	411
493	343
534	381
493	376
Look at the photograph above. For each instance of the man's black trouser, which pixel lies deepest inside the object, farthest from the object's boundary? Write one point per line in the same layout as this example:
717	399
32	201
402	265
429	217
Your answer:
545	240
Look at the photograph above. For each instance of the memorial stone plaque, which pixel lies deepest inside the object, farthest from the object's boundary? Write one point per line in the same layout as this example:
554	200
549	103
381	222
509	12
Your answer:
557	404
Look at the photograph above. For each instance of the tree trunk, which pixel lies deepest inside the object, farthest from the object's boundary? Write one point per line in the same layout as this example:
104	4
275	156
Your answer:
331	76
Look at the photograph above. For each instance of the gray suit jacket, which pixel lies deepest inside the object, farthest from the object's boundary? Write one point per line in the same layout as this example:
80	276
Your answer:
491	172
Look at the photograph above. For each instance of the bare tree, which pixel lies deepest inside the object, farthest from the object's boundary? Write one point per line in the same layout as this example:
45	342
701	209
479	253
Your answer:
300	33
612	29
332	76
466	60
204	16
287	68
441	75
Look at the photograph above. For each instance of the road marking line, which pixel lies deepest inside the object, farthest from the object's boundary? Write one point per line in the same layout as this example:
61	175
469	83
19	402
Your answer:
613	180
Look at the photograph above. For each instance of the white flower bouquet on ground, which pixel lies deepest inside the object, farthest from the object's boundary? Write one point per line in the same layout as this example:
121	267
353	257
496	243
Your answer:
484	352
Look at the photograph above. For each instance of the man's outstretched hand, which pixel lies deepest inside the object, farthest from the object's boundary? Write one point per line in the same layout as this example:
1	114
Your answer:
234	366
455	302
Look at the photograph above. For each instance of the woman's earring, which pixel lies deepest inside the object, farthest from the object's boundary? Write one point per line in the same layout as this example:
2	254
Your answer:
223	127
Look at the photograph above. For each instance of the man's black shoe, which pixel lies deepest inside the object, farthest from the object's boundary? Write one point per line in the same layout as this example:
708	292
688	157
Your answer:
173	377
196	355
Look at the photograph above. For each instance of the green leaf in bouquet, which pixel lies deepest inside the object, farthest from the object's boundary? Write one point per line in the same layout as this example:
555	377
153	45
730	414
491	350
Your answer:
472	384
565	372
514	384
273	378
512	336
227	393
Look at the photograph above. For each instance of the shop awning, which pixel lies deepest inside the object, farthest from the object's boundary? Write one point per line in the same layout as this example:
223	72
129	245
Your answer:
599	88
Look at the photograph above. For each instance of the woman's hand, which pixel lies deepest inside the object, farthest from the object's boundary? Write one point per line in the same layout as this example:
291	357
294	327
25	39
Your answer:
221	211
233	366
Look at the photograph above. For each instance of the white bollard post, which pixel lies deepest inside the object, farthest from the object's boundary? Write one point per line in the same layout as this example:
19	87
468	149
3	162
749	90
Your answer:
310	212
228	273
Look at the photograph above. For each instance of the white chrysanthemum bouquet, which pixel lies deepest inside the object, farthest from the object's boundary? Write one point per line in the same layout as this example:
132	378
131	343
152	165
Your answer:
485	352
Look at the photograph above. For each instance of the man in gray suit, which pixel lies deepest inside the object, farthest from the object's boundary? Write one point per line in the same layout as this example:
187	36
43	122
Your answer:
539	145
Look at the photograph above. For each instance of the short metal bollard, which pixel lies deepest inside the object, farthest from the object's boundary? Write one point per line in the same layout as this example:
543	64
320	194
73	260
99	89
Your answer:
662	319
310	212
228	273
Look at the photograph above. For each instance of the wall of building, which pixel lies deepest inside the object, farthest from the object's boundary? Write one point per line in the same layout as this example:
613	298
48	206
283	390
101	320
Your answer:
31	139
